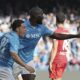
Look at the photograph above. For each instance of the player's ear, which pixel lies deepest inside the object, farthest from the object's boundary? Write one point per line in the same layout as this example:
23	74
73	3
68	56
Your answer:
17	29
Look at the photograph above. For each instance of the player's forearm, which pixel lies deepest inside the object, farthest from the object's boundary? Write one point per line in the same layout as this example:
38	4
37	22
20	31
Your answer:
18	60
53	54
64	36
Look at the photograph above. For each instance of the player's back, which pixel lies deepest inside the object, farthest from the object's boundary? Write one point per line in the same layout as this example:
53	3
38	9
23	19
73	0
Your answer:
62	46
5	48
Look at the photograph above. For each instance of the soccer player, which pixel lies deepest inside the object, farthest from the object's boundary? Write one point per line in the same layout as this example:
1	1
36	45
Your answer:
9	48
35	30
58	58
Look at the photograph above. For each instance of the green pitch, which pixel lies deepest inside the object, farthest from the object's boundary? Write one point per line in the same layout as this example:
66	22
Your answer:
68	75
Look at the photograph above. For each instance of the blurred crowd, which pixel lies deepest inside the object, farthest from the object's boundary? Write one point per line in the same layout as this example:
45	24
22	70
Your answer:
43	49
44	46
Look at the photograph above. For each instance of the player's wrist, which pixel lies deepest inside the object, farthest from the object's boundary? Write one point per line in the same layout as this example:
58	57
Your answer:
24	65
50	63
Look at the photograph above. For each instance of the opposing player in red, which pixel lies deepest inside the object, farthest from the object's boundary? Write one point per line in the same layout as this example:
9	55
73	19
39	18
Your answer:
58	59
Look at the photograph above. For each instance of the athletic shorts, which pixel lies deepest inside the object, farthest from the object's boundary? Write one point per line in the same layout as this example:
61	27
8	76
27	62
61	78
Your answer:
6	73
57	70
17	69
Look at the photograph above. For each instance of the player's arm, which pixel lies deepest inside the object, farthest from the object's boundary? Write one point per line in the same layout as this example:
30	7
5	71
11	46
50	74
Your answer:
64	36
14	49
20	62
53	53
59	36
17	59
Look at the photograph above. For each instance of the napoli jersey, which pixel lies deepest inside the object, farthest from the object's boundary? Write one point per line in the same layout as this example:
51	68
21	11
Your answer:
29	42
9	42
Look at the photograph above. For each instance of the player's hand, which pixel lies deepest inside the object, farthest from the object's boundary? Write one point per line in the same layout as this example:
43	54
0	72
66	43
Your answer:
78	35
50	67
30	69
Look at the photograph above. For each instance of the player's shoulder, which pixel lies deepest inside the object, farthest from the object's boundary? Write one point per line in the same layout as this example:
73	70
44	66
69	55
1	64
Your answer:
5	35
26	22
12	36
4	38
42	26
62	30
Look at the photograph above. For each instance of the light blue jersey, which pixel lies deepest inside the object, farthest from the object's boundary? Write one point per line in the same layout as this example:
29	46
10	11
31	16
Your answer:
31	39
9	42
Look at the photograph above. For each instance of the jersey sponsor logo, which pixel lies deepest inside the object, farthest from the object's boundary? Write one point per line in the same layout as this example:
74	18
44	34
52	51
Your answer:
62	53
37	35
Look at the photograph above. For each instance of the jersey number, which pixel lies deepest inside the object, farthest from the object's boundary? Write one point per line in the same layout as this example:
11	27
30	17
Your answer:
3	44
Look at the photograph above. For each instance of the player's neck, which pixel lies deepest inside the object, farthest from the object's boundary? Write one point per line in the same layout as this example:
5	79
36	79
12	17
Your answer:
33	22
61	25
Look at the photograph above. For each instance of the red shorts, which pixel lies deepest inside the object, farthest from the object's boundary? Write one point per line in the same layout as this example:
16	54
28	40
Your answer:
57	70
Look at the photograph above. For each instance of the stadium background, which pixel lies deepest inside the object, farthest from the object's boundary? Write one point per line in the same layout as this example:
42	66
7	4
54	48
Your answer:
17	7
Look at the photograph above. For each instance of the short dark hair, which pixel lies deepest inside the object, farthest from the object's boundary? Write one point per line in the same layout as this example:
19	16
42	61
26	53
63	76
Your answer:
60	17
35	11
16	24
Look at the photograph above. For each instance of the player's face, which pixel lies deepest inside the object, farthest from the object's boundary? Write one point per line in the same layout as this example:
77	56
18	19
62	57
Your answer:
39	18
22	30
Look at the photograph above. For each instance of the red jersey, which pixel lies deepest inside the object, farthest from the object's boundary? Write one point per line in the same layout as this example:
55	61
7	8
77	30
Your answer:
62	46
60	61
